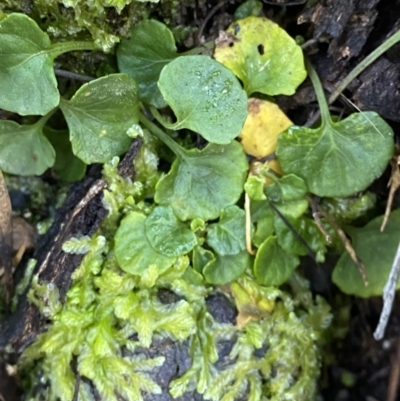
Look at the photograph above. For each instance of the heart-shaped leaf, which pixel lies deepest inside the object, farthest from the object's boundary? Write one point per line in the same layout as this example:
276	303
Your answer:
144	54
262	55
376	250
99	115
228	236
27	81
339	158
24	150
273	265
205	97
227	268
203	182
167	235
133	250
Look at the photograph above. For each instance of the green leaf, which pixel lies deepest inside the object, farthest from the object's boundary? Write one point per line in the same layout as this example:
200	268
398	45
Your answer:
205	97
339	158
227	268
287	188
263	216
27	81
203	182
306	228
150	47
248	8
201	257
254	188
132	249
349	209
24	150
273	265
376	250
167	235
263	56
67	166
99	115
228	236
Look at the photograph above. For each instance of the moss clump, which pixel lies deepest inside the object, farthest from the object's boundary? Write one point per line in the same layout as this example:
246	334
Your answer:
103	20
108	315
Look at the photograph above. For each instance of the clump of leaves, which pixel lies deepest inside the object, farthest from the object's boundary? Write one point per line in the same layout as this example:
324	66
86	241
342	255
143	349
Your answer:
108	313
204	217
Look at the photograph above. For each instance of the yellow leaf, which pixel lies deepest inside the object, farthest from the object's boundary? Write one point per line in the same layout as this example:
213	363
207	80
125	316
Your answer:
262	55
265	121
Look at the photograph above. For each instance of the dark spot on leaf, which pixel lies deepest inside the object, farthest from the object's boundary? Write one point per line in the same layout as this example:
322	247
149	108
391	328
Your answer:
260	49
231	44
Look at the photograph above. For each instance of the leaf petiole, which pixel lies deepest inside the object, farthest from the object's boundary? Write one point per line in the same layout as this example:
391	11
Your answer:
319	91
65	47
43	120
162	136
364	64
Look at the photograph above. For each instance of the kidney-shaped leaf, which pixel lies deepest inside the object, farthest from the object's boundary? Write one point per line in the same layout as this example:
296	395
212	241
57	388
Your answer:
339	158
263	56
203	182
24	150
227	268
273	266
167	235
205	97
27	81
143	55
228	236
99	115
376	250
133	250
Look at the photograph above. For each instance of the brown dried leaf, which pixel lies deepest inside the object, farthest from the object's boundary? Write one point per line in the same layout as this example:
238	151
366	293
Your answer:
6	238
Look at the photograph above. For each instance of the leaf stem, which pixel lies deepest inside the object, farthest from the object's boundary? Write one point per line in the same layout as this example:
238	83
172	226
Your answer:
364	64
162	136
319	91
200	49
43	120
65	47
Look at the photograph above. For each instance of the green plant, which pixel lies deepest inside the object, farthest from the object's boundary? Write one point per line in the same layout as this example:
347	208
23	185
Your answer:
194	227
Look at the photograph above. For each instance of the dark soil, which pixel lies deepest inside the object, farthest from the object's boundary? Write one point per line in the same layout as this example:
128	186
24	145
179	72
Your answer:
339	33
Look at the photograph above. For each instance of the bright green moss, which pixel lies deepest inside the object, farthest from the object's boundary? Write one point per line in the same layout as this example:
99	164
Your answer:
103	20
108	313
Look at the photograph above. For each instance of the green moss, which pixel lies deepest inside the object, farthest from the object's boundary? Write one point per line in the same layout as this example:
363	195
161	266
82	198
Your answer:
103	20
108	313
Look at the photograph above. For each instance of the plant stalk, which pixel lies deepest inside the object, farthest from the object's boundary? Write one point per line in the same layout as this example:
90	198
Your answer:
322	102
162	136
364	64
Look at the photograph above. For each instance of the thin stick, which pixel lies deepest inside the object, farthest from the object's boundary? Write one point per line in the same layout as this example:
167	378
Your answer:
316	216
394	374
249	248
209	15
389	292
347	244
72	75
394	184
